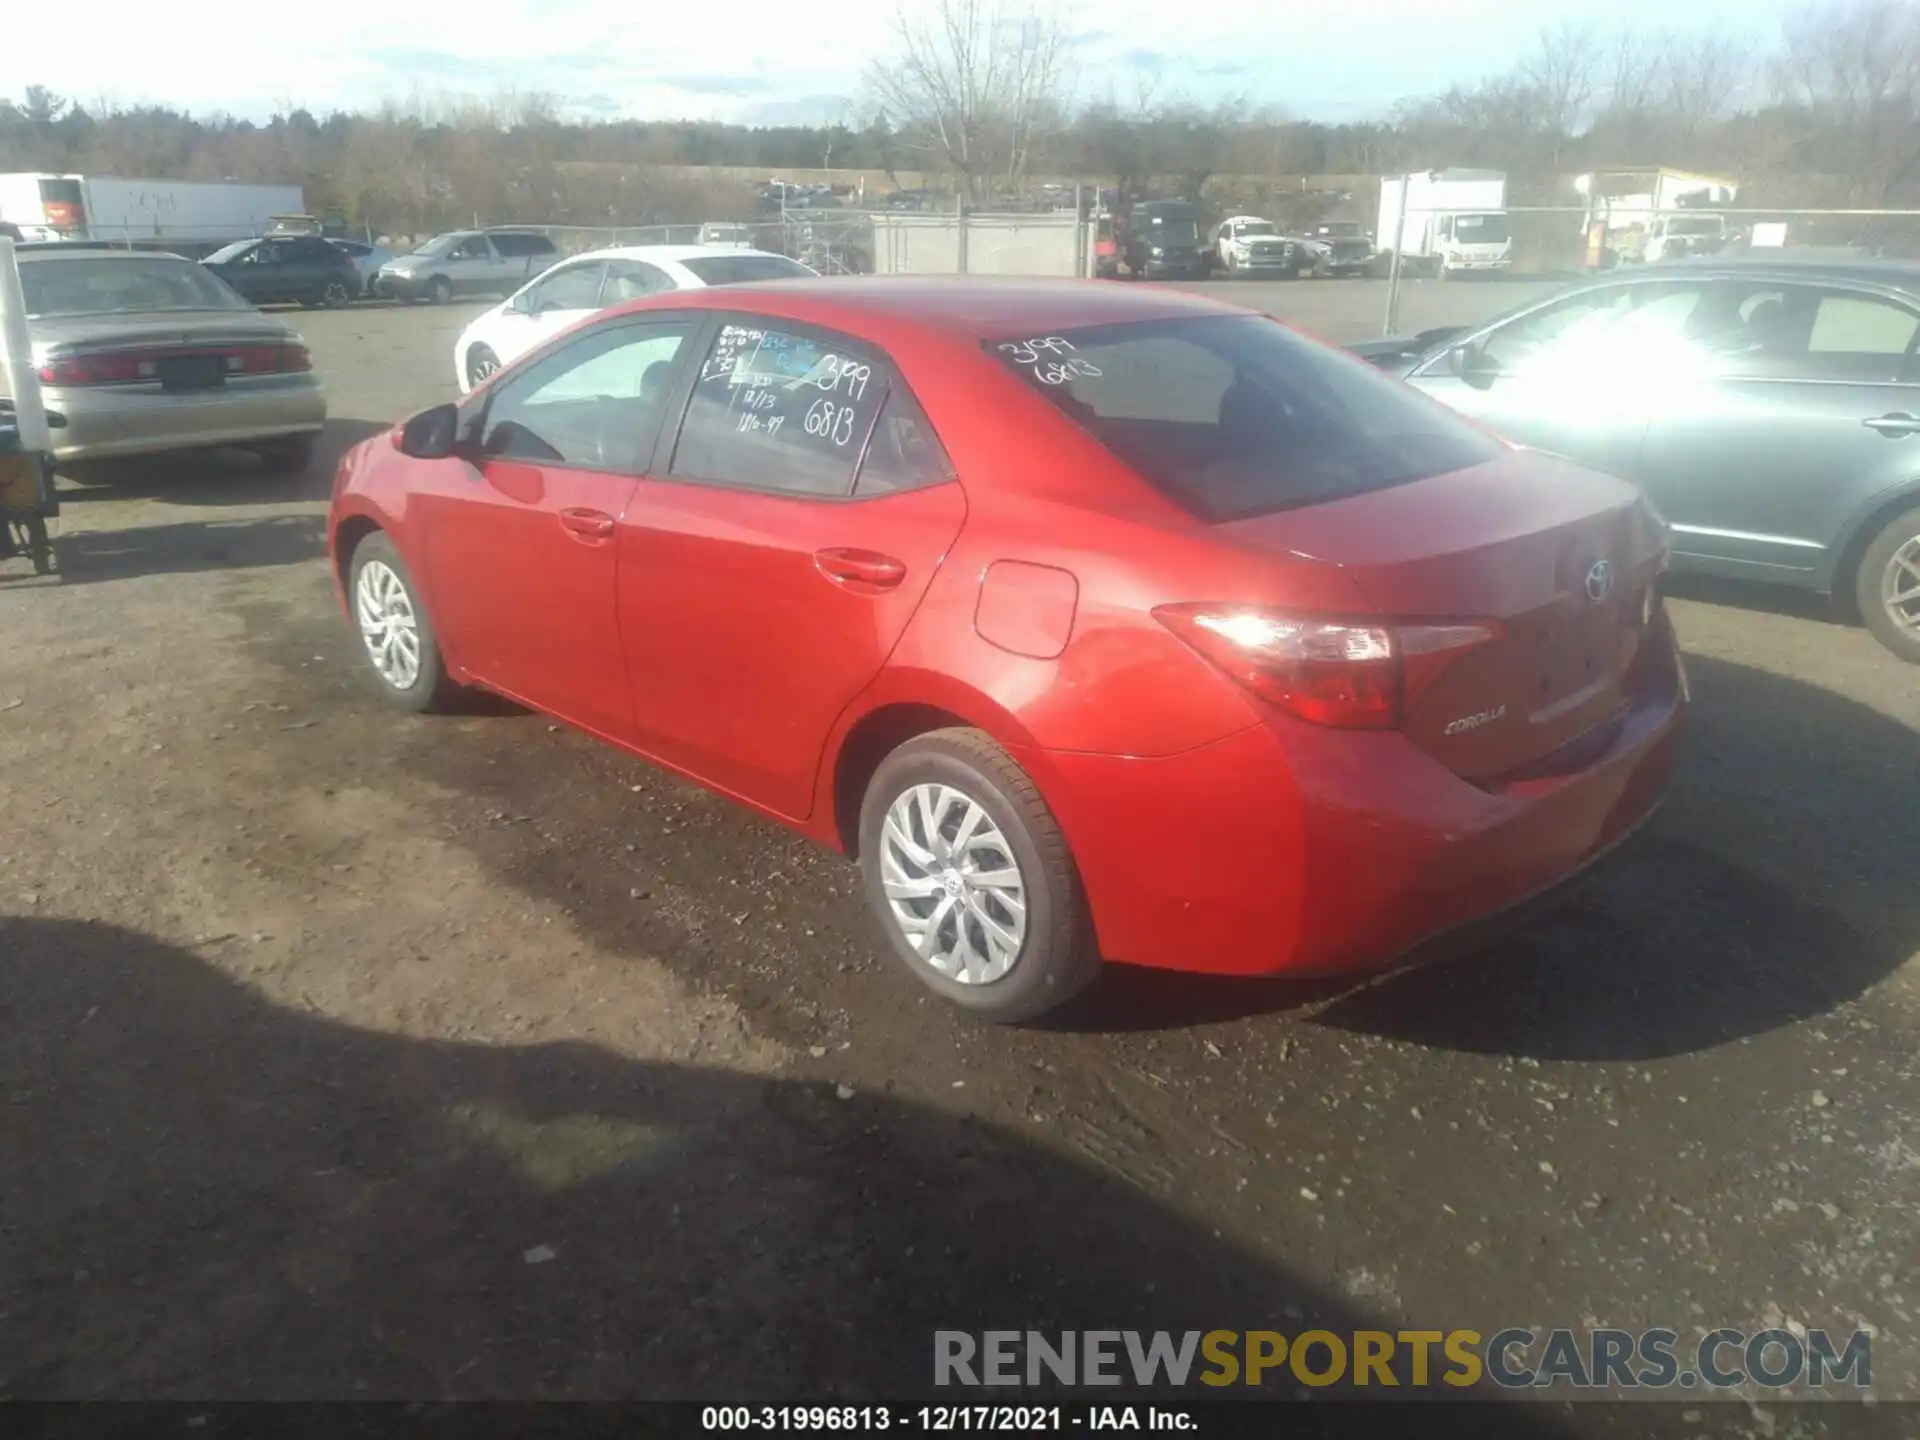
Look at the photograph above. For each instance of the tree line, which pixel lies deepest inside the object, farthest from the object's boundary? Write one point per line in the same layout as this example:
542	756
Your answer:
980	95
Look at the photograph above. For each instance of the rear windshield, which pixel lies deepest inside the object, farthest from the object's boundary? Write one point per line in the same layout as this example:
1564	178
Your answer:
119	287
1236	415
744	269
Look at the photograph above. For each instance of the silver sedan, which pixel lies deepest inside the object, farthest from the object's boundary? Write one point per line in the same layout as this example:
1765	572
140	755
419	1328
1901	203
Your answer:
146	353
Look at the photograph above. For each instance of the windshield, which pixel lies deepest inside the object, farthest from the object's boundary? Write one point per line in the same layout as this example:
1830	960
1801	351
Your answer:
1173	230
1696	225
230	252
1341	228
1480	229
437	247
744	269
1255	227
1234	416
99	287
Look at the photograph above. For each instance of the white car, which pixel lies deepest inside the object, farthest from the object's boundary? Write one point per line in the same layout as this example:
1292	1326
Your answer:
576	288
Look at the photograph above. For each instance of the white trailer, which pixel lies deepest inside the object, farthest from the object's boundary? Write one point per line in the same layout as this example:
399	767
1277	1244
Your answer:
88	207
1447	222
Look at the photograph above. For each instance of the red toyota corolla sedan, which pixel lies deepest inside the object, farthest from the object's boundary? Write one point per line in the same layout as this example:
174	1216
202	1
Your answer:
1095	621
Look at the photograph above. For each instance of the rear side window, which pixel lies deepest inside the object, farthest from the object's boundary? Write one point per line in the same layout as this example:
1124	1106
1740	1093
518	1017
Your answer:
518	244
1803	332
903	453
1234	416
744	269
779	409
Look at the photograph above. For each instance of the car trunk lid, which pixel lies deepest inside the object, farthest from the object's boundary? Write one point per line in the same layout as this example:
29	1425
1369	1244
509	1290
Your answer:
1561	560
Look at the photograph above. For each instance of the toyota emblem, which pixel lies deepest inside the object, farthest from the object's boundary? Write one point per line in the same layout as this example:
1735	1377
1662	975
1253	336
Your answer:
1599	581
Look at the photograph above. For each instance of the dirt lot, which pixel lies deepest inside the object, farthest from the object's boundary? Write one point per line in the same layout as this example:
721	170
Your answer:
349	1054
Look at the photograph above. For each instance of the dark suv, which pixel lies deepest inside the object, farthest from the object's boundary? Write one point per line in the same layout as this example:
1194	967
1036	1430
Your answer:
277	269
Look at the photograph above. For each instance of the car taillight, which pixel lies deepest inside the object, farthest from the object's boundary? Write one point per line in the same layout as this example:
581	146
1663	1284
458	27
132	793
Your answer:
132	367
1354	675
103	369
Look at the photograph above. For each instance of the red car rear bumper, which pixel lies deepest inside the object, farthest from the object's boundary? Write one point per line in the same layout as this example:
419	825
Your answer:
1288	848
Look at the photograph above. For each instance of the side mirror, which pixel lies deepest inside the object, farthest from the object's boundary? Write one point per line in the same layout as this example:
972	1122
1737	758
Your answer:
1473	365
431	435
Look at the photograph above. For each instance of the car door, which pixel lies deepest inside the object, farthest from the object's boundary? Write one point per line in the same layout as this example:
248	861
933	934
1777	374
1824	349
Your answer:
1578	375
1811	410
472	268
310	265
769	569
556	301
522	537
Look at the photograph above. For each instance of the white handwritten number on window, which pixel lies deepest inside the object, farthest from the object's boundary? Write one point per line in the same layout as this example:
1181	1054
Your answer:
836	373
1051	359
830	421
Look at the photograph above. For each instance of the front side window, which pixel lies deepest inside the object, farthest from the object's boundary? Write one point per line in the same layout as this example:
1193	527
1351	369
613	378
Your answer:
595	402
779	409
1234	416
1605	330
474	247
577	287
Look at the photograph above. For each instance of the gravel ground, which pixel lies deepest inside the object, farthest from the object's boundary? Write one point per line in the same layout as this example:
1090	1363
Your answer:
351	1054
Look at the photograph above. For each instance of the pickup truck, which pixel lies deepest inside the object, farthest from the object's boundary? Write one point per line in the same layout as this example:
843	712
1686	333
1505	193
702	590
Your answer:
465	263
1251	245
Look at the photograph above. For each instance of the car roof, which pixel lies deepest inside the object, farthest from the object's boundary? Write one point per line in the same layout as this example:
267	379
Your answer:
958	307
1899	274
668	252
31	255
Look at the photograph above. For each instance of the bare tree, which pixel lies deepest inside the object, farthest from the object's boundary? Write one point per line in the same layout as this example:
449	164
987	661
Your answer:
978	83
1854	65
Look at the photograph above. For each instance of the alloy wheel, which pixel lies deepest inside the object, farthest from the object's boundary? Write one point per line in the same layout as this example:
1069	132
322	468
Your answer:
1900	587
481	363
952	884
388	624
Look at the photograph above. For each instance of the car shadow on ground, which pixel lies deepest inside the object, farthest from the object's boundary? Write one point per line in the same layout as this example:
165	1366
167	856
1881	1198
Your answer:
1768	599
1775	886
90	557
217	477
230	1199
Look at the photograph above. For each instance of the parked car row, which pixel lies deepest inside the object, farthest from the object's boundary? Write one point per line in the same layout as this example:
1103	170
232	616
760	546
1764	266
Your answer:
1074	611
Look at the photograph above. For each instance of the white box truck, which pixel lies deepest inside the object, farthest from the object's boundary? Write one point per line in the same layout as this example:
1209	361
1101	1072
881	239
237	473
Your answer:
1452	222
184	212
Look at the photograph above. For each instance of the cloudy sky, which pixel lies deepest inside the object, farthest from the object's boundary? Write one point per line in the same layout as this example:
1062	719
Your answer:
767	61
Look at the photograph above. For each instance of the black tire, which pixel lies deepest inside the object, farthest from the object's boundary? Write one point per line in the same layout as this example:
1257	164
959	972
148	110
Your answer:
431	689
440	290
336	294
291	455
1057	957
481	362
1875	583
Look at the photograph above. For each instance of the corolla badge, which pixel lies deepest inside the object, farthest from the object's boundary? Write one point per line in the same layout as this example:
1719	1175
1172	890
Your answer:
1599	581
1474	722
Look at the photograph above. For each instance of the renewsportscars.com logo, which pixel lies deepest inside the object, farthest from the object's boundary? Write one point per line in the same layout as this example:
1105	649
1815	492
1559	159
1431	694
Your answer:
1726	1359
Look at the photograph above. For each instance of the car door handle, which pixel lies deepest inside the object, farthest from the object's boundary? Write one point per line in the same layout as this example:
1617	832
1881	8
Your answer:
594	524
1898	423
860	567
